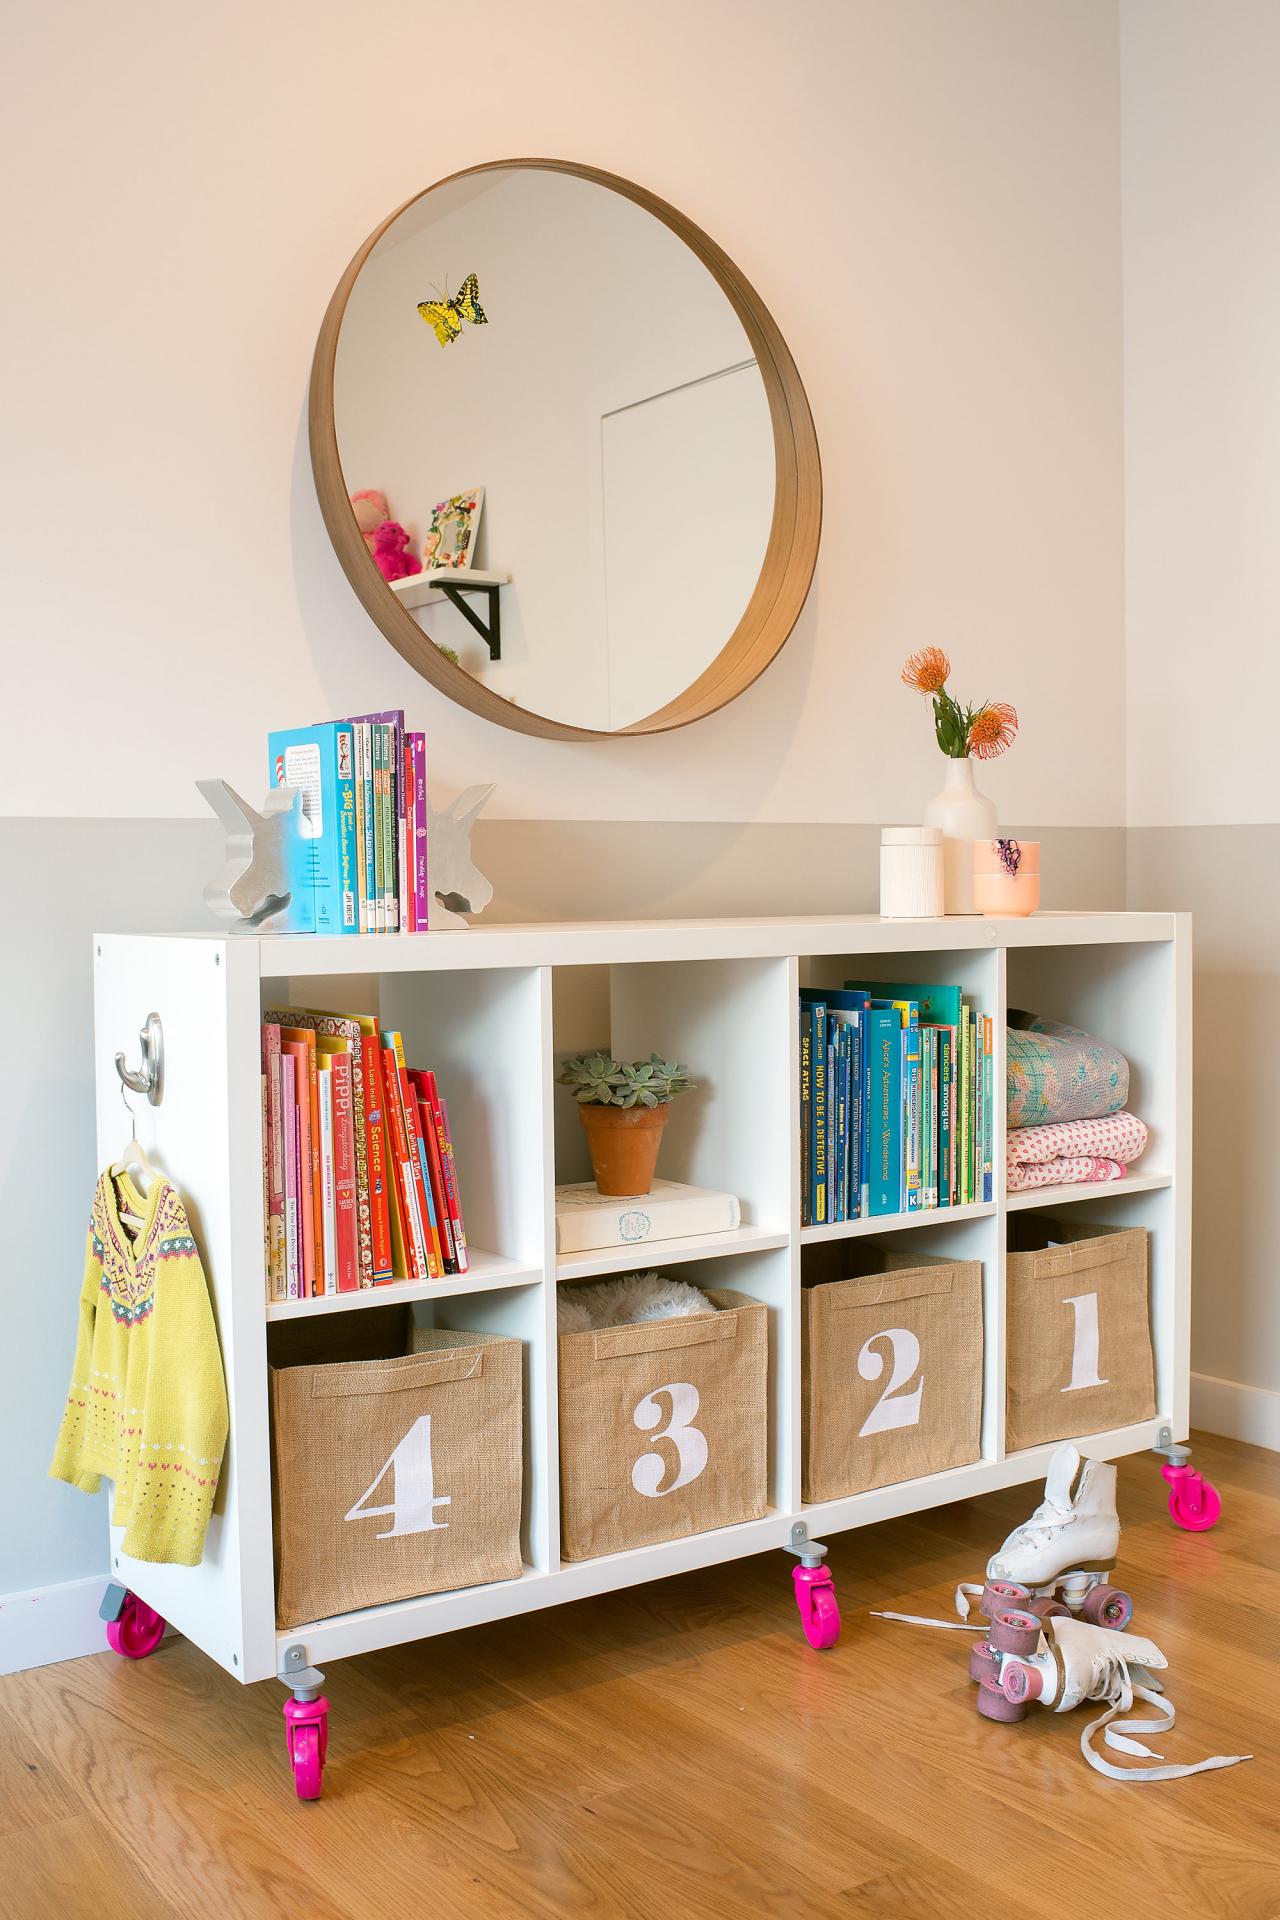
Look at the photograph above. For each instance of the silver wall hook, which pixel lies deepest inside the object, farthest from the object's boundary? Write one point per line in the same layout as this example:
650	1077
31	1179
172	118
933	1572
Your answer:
149	1078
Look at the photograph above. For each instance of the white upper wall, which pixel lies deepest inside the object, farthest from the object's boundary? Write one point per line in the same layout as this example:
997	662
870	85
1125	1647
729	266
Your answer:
923	193
1201	195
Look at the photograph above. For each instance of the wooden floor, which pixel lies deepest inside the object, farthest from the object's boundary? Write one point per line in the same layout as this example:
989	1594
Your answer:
678	1751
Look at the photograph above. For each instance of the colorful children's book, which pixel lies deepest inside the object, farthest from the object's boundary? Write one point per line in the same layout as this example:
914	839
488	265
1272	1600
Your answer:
449	1168
335	1026
884	1108
329	1214
293	1261
320	760
336	1061
277	1286
416	750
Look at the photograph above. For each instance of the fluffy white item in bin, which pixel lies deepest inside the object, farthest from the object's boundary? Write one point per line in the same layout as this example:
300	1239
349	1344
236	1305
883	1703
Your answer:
586	1220
627	1301
911	873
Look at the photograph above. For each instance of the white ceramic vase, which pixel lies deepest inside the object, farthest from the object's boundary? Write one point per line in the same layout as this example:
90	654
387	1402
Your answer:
965	815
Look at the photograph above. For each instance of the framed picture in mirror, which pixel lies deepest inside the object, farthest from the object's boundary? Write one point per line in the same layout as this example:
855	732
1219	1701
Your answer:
450	540
606	364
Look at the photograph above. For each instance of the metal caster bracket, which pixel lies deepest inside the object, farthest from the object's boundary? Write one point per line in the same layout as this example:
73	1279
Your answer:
296	1672
113	1602
1170	1449
810	1553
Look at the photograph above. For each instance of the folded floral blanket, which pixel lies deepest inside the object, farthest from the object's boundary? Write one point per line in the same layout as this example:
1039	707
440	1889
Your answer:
1075	1151
1058	1073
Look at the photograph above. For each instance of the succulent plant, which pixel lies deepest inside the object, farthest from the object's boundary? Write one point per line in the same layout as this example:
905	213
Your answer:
596	1080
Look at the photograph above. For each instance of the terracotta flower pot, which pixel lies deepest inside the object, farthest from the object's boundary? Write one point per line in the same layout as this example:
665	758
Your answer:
624	1144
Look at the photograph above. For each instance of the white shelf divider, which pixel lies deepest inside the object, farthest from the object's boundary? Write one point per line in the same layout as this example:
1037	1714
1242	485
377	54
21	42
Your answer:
487	1272
1087	1190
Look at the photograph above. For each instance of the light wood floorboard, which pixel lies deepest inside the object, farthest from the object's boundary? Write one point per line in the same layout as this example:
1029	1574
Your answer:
678	1750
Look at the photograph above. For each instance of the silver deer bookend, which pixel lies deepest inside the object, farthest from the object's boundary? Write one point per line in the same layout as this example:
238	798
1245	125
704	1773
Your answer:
457	885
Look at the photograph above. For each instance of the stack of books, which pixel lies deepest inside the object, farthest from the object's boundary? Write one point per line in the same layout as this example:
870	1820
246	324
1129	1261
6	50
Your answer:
896	1106
359	1180
364	810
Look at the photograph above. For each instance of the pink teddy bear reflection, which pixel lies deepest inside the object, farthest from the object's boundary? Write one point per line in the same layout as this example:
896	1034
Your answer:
390	552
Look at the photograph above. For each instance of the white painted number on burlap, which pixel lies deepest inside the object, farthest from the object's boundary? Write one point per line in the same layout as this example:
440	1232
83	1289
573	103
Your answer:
894	1408
690	1445
1084	1345
413	1487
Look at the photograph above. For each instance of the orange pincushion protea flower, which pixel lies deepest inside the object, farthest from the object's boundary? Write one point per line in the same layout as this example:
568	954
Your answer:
992	729
926	670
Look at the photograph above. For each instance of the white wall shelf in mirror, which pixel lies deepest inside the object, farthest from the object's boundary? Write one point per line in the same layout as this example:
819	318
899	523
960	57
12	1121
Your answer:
424	589
671	470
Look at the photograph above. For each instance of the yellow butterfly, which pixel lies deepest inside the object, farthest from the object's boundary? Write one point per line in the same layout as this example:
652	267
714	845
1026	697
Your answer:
446	316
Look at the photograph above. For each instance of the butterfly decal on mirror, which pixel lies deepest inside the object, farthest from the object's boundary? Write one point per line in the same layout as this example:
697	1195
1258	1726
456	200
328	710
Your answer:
446	316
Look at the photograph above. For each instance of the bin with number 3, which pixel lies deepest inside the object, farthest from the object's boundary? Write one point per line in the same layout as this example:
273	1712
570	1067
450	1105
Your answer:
396	1477
663	1427
892	1373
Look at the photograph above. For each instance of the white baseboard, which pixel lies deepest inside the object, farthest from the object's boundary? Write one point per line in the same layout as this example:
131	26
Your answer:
51	1623
1241	1412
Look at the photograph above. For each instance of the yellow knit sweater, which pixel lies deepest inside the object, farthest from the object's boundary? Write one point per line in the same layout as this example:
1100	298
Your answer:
147	1405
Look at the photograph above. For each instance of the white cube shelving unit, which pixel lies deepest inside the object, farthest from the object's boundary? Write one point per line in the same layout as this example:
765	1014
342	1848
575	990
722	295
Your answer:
477	1007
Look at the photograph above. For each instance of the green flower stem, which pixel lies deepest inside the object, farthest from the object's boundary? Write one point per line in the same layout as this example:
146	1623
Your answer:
950	726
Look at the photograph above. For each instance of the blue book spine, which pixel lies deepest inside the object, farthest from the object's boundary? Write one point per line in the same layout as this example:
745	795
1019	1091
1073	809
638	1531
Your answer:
842	1121
818	1165
911	1092
884	1109
319	760
806	1115
856	1128
946	1045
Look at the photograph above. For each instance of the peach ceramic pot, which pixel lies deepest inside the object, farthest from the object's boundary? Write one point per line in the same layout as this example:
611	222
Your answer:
624	1142
996	891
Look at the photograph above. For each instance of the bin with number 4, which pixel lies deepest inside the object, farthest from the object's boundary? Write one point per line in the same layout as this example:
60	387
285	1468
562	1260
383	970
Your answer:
1079	1337
396	1476
891	1370
663	1427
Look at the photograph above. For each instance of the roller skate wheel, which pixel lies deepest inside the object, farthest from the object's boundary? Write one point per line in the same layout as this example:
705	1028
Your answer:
1106	1606
1050	1609
994	1704
999	1595
1014	1631
1020	1683
983	1663
137	1630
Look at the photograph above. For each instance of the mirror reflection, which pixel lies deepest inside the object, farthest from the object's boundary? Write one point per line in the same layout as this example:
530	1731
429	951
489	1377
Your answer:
556	440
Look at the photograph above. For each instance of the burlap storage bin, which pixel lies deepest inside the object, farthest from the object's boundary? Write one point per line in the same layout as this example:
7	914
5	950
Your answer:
1078	1341
663	1428
398	1475
891	1373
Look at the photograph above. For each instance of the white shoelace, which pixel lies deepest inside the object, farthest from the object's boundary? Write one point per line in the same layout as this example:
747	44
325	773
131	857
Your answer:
1120	1692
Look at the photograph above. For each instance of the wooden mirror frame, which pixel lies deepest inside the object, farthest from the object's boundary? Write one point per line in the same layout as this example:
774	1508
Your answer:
790	555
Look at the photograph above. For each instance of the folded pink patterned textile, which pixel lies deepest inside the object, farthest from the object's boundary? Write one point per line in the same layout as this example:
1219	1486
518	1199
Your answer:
1074	1151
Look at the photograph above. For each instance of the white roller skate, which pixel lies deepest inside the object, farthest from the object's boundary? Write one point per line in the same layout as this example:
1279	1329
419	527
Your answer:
1063	1662
1058	1561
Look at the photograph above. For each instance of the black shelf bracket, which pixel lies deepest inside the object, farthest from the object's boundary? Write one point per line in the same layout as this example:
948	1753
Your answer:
491	634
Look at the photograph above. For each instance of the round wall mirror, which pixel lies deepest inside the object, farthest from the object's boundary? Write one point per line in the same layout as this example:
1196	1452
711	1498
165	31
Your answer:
563	453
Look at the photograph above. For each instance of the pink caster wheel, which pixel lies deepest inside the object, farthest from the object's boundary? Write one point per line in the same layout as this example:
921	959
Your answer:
307	1738
819	1611
1194	1502
134	1629
1106	1606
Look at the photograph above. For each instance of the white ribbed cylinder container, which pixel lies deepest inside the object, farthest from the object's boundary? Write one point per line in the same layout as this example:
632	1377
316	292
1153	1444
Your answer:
911	882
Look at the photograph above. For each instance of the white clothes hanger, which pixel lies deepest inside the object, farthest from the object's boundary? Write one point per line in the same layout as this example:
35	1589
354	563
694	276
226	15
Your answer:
134	1161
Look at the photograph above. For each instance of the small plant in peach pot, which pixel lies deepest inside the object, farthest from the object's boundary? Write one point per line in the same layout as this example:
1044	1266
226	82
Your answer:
964	734
623	1106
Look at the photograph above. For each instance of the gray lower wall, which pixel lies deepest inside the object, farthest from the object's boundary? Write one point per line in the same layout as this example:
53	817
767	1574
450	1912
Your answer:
1229	878
77	877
